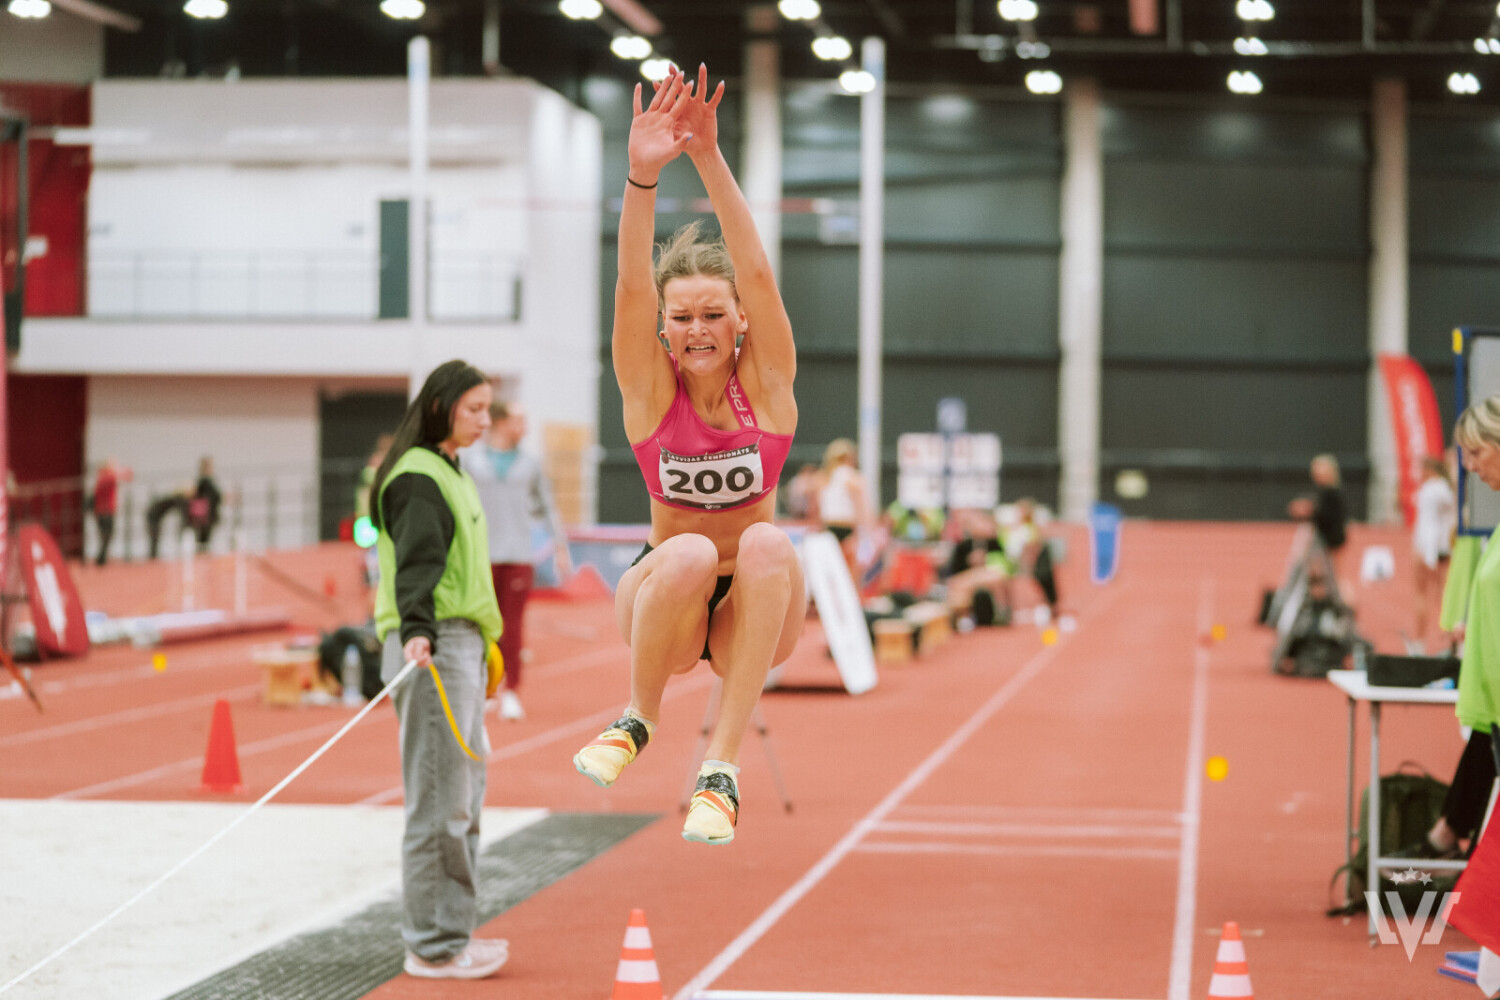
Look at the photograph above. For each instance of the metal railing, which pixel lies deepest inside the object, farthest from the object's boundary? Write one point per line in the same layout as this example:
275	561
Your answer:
326	285
262	508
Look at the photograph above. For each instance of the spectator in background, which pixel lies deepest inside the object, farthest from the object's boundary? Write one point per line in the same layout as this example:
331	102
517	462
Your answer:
106	503
1325	511
843	504
203	503
367	475
513	490
799	497
1024	549
1431	539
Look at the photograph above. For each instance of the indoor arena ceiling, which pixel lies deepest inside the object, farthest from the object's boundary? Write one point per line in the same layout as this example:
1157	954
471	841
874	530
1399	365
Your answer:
1313	48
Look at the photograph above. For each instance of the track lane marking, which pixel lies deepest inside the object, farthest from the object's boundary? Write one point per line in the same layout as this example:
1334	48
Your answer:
1178	981
1018	850
874	817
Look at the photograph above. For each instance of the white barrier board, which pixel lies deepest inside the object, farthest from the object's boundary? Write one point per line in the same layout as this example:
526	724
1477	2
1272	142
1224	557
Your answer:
838	607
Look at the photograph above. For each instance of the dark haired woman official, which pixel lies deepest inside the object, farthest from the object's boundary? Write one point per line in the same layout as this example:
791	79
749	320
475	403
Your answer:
436	605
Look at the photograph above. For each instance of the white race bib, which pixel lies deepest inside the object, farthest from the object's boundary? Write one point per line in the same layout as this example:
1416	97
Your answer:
711	482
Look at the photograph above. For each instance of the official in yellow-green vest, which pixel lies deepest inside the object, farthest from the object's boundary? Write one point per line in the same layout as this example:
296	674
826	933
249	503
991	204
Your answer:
436	605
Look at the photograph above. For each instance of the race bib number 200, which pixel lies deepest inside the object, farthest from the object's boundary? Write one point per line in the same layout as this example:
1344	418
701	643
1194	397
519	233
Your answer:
711	482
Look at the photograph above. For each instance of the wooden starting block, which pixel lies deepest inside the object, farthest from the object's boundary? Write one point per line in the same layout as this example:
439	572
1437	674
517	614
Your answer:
287	672
932	622
893	640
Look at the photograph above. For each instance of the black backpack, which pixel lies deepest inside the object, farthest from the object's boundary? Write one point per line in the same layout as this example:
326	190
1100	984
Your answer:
1411	800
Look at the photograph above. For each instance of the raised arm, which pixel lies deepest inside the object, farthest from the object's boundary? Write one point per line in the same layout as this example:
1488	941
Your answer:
641	367
769	349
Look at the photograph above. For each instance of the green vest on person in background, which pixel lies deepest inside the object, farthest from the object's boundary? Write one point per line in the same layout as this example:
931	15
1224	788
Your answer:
1479	674
466	589
1461	564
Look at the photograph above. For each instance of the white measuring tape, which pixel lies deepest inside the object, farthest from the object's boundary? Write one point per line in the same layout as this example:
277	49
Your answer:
395	681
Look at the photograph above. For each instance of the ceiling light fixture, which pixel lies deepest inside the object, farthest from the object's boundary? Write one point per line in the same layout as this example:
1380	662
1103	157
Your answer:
1255	10
1463	83
800	10
857	81
656	68
1244	82
1043	81
30	8
1250	46
401	10
630	47
832	48
1487	46
580	10
208	10
1033	50
1017	10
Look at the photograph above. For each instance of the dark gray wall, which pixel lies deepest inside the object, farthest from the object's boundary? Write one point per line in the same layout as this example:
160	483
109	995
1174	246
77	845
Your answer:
1236	283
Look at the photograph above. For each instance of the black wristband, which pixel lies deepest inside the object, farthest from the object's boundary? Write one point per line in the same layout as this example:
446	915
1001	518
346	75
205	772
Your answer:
643	187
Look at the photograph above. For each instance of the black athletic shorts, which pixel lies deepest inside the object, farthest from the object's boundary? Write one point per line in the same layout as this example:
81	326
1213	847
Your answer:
721	588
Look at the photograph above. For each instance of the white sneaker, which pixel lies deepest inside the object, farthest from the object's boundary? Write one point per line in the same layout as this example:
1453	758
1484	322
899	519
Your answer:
479	959
510	706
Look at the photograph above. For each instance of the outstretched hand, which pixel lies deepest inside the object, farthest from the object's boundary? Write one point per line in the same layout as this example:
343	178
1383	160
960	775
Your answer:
656	135
699	117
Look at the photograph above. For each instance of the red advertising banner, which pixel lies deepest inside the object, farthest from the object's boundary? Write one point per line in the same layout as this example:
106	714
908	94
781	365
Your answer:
1414	420
56	611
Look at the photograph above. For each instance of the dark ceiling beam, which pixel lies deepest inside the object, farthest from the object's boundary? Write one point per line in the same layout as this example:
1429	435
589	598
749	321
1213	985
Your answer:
1149	47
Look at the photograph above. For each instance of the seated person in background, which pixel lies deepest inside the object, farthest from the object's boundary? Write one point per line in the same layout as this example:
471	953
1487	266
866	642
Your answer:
1024	550
908	525
976	538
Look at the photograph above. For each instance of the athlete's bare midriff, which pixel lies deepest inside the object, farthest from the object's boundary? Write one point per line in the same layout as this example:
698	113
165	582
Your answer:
722	527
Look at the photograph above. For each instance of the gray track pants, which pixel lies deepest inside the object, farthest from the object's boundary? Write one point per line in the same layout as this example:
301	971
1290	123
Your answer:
444	789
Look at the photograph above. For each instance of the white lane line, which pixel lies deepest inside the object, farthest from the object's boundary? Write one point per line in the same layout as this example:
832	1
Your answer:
874	817
769	995
1018	850
587	724
1025	829
127	716
1041	814
1192	806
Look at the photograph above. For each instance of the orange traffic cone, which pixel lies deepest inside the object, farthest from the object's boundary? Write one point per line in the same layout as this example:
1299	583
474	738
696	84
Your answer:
636	977
1231	974
221	764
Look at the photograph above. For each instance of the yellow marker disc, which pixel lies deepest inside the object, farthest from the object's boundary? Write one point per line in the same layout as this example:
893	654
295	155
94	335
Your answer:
1049	637
1458	341
1217	632
159	662
1217	768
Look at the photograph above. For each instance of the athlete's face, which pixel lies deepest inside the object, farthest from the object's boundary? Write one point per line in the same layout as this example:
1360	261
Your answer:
1483	460
701	319
471	418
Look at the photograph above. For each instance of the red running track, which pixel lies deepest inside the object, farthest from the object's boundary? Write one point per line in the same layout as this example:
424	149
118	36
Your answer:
1001	818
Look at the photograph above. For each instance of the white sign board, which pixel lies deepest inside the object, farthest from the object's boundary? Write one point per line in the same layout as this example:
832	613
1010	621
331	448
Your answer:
956	470
839	610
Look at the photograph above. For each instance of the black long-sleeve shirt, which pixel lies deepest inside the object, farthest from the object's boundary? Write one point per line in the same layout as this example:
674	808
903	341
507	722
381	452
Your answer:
1328	517
420	523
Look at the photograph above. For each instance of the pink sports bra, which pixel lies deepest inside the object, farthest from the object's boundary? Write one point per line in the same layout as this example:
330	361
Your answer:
688	464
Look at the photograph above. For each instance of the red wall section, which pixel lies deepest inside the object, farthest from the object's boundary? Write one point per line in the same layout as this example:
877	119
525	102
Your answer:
58	182
46	415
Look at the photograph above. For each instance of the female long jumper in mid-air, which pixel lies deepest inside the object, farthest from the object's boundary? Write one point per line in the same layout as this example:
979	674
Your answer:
710	420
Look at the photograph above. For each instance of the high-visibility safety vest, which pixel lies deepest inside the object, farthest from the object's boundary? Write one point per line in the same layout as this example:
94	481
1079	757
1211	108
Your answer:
466	589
